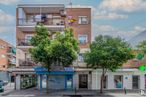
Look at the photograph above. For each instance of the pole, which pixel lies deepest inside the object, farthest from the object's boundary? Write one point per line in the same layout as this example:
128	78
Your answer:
125	91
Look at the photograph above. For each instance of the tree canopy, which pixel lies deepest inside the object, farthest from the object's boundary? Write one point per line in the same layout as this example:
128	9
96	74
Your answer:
60	50
107	52
142	46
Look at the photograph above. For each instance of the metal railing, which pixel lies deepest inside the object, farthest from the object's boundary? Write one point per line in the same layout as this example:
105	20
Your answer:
24	42
26	63
45	21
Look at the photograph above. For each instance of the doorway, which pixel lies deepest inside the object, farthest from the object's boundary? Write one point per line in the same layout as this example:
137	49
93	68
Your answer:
135	82
83	81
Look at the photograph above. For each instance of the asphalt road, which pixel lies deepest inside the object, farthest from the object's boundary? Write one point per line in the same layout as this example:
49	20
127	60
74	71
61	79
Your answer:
115	95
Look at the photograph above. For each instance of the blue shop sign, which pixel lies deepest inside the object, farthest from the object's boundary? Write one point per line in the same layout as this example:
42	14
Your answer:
66	71
69	68
37	69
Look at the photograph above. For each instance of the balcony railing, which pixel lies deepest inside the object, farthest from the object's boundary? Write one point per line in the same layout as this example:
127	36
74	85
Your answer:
26	63
24	42
12	50
45	21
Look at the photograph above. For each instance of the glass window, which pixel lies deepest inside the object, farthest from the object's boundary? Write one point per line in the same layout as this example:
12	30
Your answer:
83	39
80	57
28	38
83	20
3	56
118	81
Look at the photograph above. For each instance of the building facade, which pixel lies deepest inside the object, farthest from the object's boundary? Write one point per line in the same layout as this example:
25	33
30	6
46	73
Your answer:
55	17
7	55
82	32
128	77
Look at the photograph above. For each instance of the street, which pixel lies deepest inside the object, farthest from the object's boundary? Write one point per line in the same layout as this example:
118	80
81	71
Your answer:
114	95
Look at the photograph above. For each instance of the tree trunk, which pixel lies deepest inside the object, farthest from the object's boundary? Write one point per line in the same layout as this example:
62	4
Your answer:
47	84
101	81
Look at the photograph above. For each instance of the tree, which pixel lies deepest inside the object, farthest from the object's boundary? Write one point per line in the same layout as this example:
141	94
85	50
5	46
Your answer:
107	53
142	47
62	50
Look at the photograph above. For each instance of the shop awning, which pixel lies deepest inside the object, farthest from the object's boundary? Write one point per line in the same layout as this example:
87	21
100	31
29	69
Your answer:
66	71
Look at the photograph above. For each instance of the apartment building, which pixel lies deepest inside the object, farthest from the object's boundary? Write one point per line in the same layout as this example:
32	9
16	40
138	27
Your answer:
7	55
82	32
55	17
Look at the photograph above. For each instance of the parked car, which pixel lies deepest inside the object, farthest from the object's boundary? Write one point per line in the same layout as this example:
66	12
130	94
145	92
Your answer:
1	86
1	83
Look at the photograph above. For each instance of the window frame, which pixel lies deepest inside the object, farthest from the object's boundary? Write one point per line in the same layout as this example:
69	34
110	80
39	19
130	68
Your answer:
81	36
79	57
80	18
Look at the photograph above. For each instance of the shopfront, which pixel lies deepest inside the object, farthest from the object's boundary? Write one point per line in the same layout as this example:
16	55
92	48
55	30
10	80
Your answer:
28	81
122	78
62	79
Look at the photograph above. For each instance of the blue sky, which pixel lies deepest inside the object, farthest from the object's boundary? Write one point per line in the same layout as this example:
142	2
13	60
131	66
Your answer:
124	18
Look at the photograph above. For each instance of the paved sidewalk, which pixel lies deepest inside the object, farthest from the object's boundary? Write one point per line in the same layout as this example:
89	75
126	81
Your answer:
62	93
8	89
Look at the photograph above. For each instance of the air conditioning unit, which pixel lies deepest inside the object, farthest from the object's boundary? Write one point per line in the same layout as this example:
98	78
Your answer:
62	13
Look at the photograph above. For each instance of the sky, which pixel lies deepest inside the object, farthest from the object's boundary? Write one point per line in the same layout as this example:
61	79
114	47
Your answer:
124	18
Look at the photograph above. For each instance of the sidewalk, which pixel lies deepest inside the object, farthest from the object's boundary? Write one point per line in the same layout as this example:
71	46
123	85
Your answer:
9	88
64	93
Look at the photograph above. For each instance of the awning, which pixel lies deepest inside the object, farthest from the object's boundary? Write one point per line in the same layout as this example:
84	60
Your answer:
43	70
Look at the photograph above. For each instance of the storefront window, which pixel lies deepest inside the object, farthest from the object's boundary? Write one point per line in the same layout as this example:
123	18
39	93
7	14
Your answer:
69	82
118	81
28	81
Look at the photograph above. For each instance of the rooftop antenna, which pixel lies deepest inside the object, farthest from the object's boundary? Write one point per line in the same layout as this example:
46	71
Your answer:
70	3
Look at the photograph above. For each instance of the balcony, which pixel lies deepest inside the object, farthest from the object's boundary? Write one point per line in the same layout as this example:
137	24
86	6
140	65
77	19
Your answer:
27	63
24	44
56	24
11	51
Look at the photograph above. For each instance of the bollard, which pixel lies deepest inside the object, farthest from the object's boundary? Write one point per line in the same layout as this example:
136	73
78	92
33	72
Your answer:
125	91
75	91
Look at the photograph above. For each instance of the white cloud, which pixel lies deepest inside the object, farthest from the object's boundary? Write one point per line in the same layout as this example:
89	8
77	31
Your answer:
104	28
123	5
6	18
109	15
9	2
139	28
115	32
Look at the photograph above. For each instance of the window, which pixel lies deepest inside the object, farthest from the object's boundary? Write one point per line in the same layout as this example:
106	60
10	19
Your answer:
3	56
81	58
28	38
83	20
2	47
83	39
4	66
118	81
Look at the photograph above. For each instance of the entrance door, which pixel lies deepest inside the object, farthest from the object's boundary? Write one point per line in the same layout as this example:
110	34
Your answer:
83	81
135	82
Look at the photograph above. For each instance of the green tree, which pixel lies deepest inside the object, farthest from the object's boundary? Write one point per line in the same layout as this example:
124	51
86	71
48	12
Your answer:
107	53
60	50
142	47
